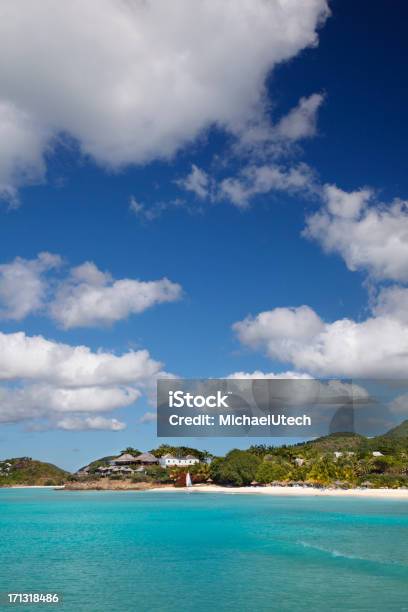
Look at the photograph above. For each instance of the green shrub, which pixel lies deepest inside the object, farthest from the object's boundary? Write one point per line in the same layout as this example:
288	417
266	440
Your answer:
269	471
238	468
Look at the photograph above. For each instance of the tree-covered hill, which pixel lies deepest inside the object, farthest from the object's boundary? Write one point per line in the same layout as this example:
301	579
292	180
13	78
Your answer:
27	471
336	442
401	431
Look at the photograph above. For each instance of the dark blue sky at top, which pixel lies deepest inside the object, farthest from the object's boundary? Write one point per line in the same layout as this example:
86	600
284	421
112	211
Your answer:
231	263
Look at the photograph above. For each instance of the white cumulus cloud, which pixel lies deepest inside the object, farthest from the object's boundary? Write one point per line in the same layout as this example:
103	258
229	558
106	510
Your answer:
41	379
370	236
24	286
392	301
280	330
134	80
86	296
257	374
40	400
36	358
23	143
297	389
376	347
90	297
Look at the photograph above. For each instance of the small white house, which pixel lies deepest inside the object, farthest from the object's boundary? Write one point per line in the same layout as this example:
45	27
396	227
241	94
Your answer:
338	454
377	454
169	461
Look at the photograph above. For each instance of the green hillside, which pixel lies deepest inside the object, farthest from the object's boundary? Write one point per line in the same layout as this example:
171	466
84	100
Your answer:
401	431
394	442
335	442
27	471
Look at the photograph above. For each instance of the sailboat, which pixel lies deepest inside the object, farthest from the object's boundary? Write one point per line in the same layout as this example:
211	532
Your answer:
188	480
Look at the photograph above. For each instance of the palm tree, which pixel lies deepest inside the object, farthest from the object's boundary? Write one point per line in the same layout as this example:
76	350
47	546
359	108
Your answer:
131	451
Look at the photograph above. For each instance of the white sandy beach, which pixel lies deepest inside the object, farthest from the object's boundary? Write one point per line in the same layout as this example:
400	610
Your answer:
295	491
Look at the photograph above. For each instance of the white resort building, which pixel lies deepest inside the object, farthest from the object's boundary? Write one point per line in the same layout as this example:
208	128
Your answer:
171	461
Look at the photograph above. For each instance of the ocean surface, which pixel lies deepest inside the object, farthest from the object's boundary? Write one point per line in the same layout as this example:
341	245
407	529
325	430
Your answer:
175	551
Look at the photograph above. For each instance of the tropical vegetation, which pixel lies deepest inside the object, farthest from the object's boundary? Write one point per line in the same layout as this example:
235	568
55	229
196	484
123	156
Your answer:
341	460
27	471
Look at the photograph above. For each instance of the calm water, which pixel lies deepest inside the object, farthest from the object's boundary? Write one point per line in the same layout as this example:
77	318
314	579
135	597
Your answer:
112	551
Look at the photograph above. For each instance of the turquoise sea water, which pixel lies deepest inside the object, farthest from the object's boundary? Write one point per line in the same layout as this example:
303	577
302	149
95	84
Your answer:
174	551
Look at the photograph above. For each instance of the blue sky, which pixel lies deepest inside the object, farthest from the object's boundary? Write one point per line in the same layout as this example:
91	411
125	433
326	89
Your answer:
232	256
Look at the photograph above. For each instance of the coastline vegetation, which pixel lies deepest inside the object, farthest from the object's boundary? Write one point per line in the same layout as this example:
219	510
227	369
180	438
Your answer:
342	460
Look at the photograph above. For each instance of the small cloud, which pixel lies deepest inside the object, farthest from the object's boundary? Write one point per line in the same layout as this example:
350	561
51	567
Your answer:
89	423
198	182
135	206
154	211
256	180
301	121
148	417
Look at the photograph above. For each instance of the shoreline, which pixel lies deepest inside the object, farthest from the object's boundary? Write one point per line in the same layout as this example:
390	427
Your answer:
293	491
275	490
111	485
32	487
